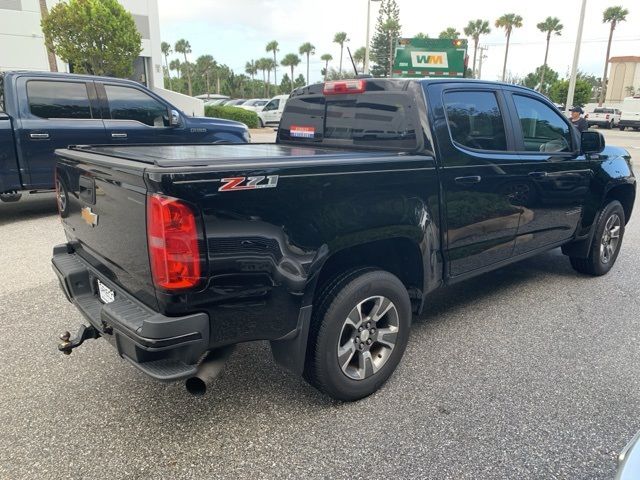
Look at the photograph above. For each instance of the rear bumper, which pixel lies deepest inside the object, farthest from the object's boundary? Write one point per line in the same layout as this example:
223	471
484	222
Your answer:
600	123
165	348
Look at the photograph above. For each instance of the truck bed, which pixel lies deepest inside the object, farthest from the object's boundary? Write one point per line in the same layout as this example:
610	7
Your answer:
225	156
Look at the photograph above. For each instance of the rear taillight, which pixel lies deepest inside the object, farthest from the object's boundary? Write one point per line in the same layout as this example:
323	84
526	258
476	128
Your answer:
173	243
344	87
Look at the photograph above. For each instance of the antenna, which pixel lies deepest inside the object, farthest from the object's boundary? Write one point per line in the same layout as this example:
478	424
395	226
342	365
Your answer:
355	69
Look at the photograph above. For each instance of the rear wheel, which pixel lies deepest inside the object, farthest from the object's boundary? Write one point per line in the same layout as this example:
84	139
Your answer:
62	197
358	334
621	127
606	242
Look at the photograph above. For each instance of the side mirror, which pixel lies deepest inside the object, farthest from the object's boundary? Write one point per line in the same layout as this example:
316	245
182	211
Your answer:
591	142
174	118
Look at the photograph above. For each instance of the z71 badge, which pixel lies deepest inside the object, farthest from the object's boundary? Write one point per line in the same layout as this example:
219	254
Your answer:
248	183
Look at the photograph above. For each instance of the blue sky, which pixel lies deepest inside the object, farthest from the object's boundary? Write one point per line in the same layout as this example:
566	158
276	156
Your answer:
237	31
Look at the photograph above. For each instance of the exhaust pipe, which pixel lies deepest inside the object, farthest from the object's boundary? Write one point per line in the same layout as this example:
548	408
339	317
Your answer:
208	370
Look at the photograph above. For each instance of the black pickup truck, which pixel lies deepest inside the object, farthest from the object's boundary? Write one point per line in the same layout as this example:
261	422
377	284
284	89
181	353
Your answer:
376	192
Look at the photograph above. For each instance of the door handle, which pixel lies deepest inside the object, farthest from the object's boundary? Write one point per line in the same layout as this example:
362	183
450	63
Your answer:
118	135
468	180
537	174
39	136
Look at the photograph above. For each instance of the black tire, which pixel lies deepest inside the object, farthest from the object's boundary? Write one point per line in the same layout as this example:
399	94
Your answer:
621	128
334	305
62	197
261	123
594	263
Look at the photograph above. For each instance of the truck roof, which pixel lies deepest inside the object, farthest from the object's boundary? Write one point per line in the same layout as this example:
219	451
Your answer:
61	75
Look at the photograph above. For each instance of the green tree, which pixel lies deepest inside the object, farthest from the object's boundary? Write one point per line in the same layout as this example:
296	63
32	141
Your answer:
285	82
205	67
340	38
358	56
450	32
299	82
559	89
272	46
269	64
508	21
251	70
326	58
175	65
613	16
550	26
421	36
474	29
542	78
98	37
307	49
386	33
51	55
290	60
264	64
183	46
166	51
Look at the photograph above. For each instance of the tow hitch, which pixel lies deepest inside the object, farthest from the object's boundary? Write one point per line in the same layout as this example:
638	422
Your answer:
85	333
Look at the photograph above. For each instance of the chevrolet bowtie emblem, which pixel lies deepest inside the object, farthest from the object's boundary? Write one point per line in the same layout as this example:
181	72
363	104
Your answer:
89	217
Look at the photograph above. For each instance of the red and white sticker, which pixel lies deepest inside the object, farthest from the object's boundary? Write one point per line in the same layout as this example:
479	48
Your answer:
302	131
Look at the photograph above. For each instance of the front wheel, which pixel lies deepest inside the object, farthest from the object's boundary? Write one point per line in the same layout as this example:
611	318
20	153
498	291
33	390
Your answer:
606	242
358	334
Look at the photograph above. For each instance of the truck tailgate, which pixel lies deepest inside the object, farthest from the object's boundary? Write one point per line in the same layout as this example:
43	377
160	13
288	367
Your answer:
105	221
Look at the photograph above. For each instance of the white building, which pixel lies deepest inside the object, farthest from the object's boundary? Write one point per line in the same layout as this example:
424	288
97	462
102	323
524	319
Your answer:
22	42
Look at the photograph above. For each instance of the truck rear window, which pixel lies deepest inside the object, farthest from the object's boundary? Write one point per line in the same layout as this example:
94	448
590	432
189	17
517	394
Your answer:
378	119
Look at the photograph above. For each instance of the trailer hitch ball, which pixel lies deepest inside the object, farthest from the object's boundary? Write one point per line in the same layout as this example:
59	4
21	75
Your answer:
67	344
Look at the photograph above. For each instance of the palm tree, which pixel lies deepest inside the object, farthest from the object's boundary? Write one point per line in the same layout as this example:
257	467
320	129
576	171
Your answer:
272	46
166	51
358	56
550	26
175	65
612	15
184	47
474	29
307	49
326	58
269	65
261	64
450	32
291	60
251	70
205	66
340	38
508	21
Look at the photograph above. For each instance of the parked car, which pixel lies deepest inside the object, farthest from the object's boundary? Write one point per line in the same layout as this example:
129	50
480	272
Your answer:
603	117
209	97
271	113
41	111
235	102
219	101
376	193
630	117
255	104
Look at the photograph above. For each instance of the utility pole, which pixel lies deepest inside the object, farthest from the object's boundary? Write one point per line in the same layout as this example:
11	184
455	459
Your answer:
576	55
482	55
367	47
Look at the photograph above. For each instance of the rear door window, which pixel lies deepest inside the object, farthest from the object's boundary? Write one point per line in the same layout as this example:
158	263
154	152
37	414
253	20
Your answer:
127	103
543	129
475	120
49	99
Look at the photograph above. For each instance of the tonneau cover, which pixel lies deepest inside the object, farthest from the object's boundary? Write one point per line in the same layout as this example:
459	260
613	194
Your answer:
202	155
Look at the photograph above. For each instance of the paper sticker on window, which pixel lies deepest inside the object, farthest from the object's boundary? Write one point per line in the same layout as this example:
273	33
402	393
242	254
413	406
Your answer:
302	132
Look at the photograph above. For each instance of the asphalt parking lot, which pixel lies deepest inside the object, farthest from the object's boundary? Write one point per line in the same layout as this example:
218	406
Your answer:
531	371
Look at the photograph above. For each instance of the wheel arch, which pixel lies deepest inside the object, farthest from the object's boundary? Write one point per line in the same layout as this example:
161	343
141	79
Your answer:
625	194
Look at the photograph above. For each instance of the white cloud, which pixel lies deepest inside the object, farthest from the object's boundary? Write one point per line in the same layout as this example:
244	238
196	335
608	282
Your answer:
237	31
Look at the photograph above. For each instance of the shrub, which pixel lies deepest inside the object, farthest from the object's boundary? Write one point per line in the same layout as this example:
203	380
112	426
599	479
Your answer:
249	118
